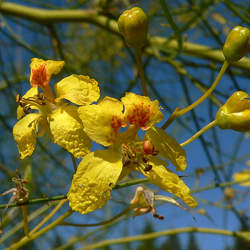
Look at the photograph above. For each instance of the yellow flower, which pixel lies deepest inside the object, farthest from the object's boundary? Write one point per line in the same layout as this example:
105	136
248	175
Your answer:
41	71
99	171
53	115
241	176
235	113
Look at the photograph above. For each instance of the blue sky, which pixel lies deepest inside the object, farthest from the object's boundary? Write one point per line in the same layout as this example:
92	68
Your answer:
169	87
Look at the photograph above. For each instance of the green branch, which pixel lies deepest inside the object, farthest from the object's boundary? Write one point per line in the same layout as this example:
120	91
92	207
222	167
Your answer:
123	185
44	16
35	201
224	184
164	233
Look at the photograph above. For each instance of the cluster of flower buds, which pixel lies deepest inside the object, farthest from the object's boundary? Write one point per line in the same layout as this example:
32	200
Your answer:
229	194
237	44
133	25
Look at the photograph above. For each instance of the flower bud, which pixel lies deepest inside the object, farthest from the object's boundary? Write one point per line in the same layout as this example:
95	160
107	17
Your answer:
133	25
237	44
229	194
235	113
148	147
143	202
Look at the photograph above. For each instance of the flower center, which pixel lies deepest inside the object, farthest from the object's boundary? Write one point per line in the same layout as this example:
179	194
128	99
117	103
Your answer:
139	115
37	101
26	103
134	153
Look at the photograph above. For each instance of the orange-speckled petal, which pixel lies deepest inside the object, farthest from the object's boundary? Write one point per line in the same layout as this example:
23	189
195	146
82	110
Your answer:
141	111
41	71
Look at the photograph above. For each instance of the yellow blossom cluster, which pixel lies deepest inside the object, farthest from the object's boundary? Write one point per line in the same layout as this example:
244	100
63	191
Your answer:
69	115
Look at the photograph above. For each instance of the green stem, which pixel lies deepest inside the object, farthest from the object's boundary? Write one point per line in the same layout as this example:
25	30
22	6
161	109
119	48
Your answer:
25	220
18	226
35	201
138	56
224	184
26	240
180	112
195	136
59	205
126	210
159	43
160	234
123	185
130	183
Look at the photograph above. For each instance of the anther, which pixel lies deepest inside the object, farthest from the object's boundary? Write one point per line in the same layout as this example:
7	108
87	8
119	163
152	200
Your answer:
160	217
148	168
126	163
26	109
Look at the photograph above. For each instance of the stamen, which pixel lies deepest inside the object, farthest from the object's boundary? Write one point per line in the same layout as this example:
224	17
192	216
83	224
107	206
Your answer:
26	103
26	109
148	168
139	115
128	155
126	163
160	217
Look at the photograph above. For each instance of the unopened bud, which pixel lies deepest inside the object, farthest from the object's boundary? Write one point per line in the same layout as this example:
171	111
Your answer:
235	113
237	44
202	211
133	25
148	147
229	194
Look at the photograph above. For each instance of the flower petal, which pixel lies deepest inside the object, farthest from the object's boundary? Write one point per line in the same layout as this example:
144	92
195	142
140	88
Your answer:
25	132
93	181
167	180
67	131
168	147
241	176
78	89
141	111
30	93
102	121
42	70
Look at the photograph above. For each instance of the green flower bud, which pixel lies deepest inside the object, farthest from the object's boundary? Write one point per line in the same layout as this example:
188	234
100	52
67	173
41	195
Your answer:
237	44
235	113
133	25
